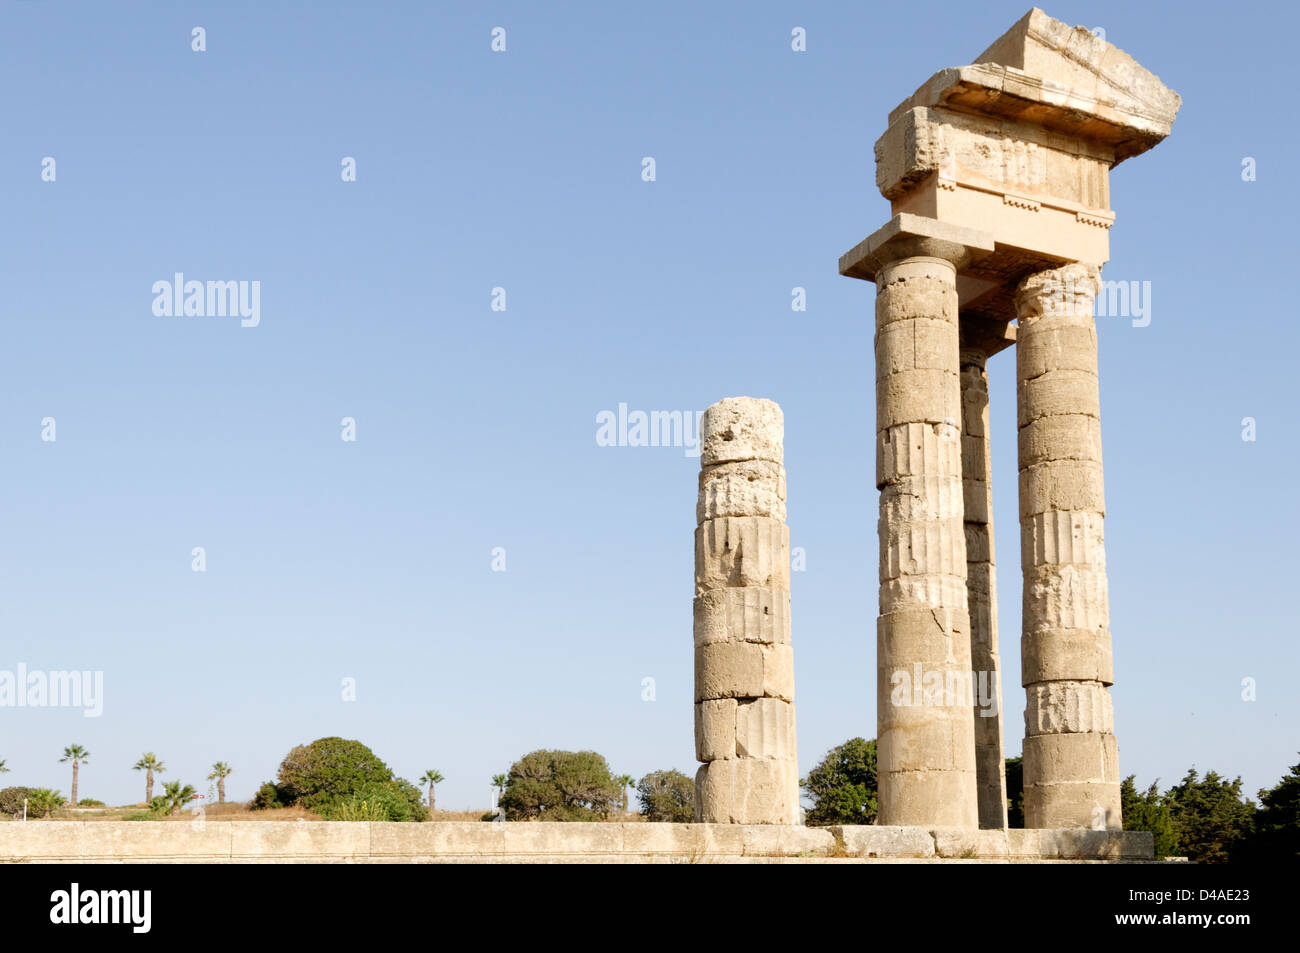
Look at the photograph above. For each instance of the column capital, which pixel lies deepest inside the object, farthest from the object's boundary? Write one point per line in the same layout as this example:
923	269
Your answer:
914	236
1068	289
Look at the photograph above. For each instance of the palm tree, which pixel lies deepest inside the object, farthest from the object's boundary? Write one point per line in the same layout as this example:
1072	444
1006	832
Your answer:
173	798
220	771
431	777
42	801
150	765
499	782
3	769
625	781
76	754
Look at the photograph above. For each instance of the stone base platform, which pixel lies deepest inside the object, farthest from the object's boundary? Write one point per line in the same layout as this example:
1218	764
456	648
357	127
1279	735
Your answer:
551	842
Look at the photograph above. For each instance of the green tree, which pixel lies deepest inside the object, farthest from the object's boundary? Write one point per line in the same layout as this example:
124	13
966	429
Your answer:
1148	812
1277	822
431	777
328	770
150	765
667	796
560	786
1015	792
499	782
843	785
1211	819
220	771
77	755
41	802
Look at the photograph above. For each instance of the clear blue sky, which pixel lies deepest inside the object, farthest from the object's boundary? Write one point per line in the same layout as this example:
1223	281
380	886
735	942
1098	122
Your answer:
476	429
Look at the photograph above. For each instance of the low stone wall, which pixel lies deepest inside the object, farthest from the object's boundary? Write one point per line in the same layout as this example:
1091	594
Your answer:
469	842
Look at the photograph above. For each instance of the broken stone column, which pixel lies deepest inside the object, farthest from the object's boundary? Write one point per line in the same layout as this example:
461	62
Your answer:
981	578
1071	768
925	724
744	666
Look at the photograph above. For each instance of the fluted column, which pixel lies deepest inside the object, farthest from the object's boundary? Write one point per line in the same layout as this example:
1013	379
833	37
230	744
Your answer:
744	666
1071	769
981	588
925	729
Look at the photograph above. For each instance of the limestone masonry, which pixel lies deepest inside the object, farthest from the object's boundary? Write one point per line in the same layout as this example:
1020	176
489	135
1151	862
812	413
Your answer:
546	842
998	178
744	666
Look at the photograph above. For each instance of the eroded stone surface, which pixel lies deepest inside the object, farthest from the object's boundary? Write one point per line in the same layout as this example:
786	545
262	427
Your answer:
925	745
1070	756
746	488
742	614
741	428
740	552
744	665
764	728
998	179
747	791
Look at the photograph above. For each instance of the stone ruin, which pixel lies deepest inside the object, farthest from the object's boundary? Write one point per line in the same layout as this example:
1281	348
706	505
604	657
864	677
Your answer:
744	666
998	178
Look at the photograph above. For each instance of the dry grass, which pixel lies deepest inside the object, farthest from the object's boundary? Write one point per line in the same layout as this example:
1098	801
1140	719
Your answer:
234	811
456	815
230	811
239	811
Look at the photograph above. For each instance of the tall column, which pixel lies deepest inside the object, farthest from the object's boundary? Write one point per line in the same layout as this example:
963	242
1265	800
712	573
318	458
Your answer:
925	724
744	666
981	587
1071	768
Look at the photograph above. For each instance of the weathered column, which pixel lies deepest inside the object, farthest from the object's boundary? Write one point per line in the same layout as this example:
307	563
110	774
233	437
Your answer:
744	666
1070	755
981	585
925	725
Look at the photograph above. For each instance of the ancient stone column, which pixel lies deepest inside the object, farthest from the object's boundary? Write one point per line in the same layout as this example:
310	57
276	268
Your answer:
1071	768
981	585
744	666
925	724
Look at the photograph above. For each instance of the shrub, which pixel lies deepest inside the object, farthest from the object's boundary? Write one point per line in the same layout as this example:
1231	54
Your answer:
388	801
560	786
267	797
89	802
342	780
42	802
1015	768
399	798
11	800
667	796
355	809
174	797
326	770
